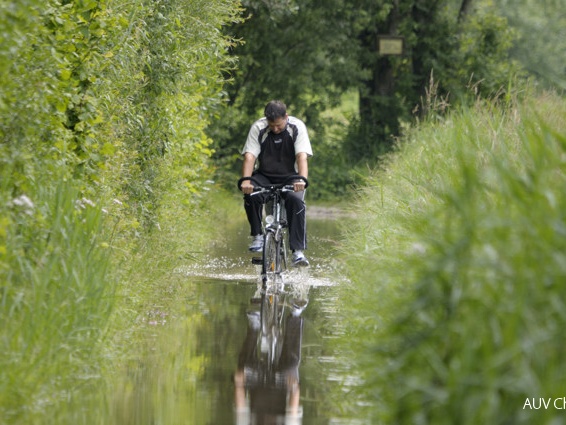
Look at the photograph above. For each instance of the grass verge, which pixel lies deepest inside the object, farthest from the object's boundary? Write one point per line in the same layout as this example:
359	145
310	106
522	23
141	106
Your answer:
74	281
458	269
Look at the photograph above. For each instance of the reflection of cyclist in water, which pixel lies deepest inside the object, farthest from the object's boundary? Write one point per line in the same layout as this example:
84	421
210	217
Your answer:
269	398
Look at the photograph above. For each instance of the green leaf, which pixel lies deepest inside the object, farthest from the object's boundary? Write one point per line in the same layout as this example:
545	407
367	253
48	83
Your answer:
65	74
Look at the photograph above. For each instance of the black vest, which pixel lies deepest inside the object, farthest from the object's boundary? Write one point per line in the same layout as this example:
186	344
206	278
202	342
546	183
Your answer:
277	155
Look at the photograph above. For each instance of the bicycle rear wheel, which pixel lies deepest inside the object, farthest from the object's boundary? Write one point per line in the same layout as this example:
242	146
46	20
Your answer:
271	268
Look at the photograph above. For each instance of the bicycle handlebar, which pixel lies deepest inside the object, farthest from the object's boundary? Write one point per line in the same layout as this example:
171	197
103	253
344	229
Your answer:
287	184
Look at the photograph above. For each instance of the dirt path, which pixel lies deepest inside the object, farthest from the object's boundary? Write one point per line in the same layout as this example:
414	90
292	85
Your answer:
327	212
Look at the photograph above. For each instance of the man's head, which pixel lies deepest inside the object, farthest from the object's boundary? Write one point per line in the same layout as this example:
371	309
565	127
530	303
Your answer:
276	114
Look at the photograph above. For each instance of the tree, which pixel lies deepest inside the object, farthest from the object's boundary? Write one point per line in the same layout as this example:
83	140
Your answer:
299	51
394	84
308	52
464	9
291	50
540	46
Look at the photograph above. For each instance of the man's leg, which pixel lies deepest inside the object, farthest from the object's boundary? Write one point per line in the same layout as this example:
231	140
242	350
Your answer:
254	210
253	206
297	218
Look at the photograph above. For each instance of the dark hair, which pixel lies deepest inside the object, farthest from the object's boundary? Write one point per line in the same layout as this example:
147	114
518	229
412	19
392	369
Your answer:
275	109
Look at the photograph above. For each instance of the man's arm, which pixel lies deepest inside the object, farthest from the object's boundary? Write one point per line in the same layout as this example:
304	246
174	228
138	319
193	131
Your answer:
302	169
247	169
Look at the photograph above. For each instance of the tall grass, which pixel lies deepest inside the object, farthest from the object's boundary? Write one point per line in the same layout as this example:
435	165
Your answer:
457	302
150	322
74	316
55	299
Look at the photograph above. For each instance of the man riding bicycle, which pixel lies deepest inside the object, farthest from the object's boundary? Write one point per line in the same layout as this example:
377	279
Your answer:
281	146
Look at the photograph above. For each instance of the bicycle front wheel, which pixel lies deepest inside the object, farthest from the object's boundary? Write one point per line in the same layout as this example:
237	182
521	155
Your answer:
271	258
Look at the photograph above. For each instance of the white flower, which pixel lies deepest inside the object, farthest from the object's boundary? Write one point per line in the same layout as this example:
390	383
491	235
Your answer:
88	202
418	248
82	203
23	201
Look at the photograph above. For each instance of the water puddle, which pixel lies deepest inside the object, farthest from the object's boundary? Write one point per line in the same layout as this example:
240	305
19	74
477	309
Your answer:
306	380
202	354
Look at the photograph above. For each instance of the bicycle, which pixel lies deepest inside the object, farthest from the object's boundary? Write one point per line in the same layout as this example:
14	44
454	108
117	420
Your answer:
274	254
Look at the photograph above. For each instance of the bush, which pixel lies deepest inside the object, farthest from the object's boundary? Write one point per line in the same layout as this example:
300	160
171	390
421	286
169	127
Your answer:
102	105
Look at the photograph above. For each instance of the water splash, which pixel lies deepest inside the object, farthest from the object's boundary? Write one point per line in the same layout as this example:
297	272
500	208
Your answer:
238	269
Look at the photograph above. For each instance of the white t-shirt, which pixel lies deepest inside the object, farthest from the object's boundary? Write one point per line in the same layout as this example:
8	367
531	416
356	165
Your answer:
295	130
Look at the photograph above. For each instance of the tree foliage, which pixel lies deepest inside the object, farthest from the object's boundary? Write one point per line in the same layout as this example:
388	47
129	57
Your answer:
541	42
90	87
290	50
168	80
309	52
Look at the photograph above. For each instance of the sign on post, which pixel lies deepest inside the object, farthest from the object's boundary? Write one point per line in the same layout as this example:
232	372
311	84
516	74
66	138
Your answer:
390	45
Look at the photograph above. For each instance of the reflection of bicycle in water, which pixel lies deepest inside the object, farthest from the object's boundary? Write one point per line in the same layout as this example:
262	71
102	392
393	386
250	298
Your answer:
266	382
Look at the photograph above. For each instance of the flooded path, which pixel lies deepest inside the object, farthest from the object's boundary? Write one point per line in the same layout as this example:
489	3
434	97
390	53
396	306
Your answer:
191	347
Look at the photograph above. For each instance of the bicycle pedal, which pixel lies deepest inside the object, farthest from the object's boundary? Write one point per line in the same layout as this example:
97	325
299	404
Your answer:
257	261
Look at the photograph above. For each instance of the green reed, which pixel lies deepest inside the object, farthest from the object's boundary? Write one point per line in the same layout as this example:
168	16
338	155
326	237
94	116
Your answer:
55	299
458	268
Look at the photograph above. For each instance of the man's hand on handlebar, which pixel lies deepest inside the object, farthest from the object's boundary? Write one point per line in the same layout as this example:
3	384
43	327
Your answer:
297	183
299	186
247	187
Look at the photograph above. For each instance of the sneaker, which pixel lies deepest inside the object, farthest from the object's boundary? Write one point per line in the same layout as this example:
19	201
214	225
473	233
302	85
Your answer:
254	320
298	306
257	244
299	259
